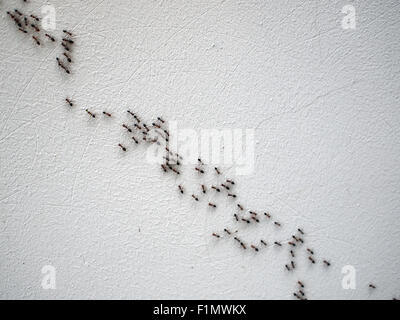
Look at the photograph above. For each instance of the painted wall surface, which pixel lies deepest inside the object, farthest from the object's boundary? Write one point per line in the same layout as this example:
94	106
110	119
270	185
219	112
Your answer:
323	101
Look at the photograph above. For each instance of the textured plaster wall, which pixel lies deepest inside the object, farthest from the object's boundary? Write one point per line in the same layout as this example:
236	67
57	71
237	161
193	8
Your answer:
325	105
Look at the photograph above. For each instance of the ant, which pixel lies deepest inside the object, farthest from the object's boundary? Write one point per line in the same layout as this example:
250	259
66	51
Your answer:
201	162
327	263
146	127
236	217
292	253
216	189
278	243
181	189
122	147
67	32
311	259
65	46
310	251
127	128
372	286
267	215
293	265
277	224
203	187
90	113
195	198
137	126
68	57
292	244
50	37
22	30
107	114
37	40
199	170
230	181
26	21
216	235
254	247
243	245
164	168
68	40
227	231
226	187
263	242
240	207
301	231
69	102
217	171
155	125
34	17
232	195
212	205
287	267
253	213
300	284
18	12
35	27
255	219
136	141
246	220
160	119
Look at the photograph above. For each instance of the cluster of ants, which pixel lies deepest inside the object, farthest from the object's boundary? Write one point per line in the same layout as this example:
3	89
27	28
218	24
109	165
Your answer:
29	25
157	133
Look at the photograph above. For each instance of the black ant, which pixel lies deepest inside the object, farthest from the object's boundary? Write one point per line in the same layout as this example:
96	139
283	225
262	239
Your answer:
292	244
278	243
37	40
68	40
18	12
69	102
227	231
217	171
107	114
225	186
246	220
263	242
199	170
267	215
160	119
212	205
293	265
300	284
216	189
310	251
232	195
277	224
292	253
34	17
372	286
255	219
122	147
164	168
127	128
195	198
301	231
203	187
90	113
50	37
136	141
35	27
68	57
67	32
327	263
254	247
311	259
216	235
230	181
236	217
240	206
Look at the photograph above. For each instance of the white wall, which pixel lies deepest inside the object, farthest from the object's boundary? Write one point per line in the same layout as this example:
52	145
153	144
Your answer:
324	102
